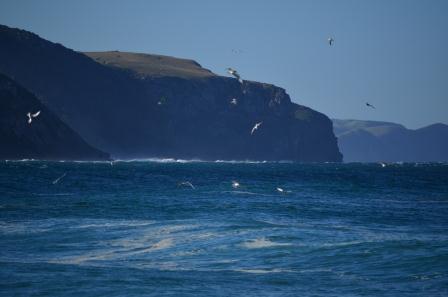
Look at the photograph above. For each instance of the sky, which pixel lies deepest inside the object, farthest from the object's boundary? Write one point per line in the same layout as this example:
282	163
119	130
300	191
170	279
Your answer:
390	53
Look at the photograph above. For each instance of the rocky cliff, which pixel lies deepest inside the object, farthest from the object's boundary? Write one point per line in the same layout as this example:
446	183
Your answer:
47	137
371	141
139	106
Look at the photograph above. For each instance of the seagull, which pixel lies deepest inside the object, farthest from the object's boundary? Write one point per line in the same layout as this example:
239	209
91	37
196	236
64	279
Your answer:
370	105
31	116
235	184
59	178
234	101
330	41
187	183
255	127
383	165
235	74
280	190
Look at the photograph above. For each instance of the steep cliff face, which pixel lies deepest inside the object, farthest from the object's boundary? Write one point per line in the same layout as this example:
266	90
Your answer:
370	141
47	137
197	119
139	106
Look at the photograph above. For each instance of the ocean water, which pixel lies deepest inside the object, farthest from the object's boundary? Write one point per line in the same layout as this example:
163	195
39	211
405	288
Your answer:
130	229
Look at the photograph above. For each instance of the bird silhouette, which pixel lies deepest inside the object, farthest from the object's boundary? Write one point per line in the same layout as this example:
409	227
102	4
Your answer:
31	116
235	74
257	125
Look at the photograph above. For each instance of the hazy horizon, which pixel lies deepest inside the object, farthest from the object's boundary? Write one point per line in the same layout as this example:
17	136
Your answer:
391	54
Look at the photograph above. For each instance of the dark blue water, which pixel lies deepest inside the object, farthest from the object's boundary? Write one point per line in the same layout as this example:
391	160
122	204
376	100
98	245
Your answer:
130	230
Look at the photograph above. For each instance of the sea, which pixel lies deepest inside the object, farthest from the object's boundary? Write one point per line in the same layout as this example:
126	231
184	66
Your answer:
164	227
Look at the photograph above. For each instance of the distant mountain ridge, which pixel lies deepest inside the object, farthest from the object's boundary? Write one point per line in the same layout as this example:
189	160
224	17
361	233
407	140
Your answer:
47	137
371	141
138	106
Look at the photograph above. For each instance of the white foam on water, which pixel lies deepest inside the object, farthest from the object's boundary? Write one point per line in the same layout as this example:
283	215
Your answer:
344	243
247	193
174	160
240	161
187	253
160	245
114	224
116	253
260	243
163	244
160	160
264	271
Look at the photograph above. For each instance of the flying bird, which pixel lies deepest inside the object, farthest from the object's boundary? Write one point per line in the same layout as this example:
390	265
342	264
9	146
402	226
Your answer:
235	184
235	74
234	101
280	190
188	184
255	127
370	105
31	116
330	41
59	178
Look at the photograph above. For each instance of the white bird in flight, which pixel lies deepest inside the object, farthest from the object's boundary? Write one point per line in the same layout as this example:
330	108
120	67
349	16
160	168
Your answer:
255	127
330	41
235	184
234	101
31	116
187	183
280	190
59	178
235	74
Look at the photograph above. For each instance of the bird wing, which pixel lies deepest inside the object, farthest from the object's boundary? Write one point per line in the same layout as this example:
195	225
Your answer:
59	178
187	183
35	114
253	129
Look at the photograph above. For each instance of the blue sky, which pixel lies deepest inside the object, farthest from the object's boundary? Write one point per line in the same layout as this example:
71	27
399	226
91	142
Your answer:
393	54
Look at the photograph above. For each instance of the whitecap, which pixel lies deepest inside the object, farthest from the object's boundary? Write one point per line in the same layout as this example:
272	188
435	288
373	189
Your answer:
160	160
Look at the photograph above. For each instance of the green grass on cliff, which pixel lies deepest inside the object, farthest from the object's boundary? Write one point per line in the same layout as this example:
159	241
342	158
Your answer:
151	65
